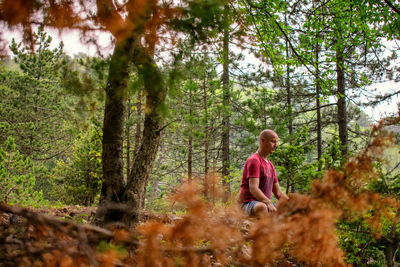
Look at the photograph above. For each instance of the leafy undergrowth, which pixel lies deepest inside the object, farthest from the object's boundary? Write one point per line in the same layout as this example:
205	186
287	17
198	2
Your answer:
301	233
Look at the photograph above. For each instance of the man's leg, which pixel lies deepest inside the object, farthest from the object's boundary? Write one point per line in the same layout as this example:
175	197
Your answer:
260	210
255	208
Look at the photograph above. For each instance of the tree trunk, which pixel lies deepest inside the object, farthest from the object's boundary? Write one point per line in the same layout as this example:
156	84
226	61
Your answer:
393	242
319	122
190	141
341	104
113	129
156	181
226	103
288	88
289	185
206	133
128	139
120	203
317	81
318	105
190	158
144	159
138	132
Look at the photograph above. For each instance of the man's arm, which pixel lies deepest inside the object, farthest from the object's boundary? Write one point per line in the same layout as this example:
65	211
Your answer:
276	189
258	194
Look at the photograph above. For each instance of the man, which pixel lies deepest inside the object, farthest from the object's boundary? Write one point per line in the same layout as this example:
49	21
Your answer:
259	179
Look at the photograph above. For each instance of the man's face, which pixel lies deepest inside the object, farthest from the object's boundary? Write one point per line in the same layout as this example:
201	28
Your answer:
270	143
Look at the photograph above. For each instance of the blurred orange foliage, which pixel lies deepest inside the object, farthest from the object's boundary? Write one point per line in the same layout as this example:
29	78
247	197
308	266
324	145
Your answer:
303	229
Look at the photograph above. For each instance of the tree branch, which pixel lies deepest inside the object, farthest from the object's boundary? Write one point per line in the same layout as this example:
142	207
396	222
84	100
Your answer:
394	8
381	98
40	219
168	124
287	39
108	16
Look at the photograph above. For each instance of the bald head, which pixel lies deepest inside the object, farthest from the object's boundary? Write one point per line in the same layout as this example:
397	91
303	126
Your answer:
267	134
268	142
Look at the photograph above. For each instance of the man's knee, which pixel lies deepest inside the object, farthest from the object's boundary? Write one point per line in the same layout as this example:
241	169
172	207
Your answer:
260	209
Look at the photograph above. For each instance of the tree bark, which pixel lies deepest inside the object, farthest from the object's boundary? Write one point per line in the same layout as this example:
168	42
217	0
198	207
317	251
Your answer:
144	159
206	137
114	204
319	120
317	82
138	131
341	102
317	99
190	141
128	139
113	129
288	88
393	242
226	103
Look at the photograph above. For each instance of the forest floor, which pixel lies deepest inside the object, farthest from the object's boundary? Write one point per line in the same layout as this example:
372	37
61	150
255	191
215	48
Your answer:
79	214
63	236
52	237
67	237
75	213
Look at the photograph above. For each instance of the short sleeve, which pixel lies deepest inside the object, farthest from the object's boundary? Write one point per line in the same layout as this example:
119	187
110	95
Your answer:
253	168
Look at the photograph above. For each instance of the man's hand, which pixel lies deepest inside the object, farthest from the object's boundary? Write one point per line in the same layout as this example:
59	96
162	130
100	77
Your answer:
259	195
270	206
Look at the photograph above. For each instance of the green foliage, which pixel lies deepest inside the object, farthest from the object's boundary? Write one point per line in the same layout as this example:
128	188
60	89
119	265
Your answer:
365	245
85	78
195	115
49	102
294	168
266	15
200	24
361	247
77	181
158	191
389	173
17	181
35	111
34	107
235	179
332	158
251	114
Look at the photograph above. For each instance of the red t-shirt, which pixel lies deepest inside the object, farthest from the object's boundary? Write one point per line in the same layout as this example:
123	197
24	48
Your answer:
257	167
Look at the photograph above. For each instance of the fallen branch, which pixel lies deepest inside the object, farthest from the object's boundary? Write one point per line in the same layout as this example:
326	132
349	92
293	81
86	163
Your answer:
58	224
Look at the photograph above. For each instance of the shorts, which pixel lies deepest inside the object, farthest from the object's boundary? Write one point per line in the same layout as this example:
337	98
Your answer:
248	207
